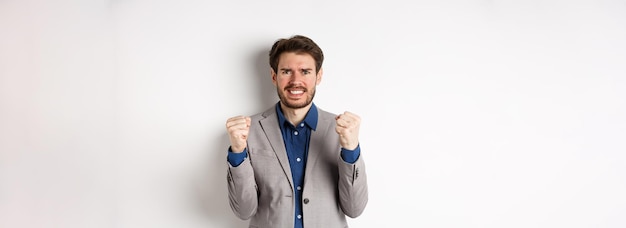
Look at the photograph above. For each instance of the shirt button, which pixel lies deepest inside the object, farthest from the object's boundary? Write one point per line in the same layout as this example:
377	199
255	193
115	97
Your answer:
301	124
299	188
306	200
299	216
298	159
295	133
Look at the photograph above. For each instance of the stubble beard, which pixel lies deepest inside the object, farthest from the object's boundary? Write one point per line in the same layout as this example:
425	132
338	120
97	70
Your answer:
293	105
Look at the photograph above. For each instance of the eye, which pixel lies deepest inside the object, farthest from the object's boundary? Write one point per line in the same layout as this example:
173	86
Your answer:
285	72
306	72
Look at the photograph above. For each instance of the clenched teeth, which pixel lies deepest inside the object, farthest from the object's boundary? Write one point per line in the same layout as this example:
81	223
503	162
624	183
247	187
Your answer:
296	91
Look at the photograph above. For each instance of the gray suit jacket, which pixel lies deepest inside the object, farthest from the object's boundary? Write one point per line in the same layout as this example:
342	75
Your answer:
261	188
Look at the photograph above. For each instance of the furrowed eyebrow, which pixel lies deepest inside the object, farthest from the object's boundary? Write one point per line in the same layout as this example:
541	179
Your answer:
290	70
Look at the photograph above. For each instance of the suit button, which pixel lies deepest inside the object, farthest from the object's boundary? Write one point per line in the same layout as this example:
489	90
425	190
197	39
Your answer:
306	200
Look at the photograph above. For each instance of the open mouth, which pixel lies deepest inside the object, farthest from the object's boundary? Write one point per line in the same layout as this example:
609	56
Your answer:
296	91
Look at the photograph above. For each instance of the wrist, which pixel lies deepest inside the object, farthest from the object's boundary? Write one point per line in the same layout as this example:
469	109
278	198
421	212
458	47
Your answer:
351	146
237	150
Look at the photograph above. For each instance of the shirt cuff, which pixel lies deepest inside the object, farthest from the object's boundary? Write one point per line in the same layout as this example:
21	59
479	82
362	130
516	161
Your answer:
235	159
350	156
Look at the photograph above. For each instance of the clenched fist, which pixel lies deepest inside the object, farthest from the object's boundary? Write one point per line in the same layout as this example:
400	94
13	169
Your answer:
348	129
238	128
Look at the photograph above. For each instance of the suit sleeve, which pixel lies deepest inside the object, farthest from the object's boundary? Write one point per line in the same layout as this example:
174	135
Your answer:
242	190
353	194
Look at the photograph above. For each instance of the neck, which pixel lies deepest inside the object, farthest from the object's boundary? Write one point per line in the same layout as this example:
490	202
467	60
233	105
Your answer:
295	116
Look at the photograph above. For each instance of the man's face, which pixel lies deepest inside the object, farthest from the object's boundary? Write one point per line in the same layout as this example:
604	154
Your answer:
296	79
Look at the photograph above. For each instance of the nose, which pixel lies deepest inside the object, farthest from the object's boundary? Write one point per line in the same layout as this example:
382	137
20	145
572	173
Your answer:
295	76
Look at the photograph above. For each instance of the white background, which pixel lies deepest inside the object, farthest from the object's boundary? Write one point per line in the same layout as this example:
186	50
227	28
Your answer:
476	113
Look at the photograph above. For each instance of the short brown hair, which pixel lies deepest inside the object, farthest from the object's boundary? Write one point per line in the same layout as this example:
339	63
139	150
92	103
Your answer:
298	44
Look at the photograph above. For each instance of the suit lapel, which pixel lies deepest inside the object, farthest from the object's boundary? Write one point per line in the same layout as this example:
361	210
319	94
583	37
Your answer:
316	140
272	131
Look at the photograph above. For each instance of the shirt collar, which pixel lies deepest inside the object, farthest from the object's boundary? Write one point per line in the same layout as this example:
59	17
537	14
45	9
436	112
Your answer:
310	119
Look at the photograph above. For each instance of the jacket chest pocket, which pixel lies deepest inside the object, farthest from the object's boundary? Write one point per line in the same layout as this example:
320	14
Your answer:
268	172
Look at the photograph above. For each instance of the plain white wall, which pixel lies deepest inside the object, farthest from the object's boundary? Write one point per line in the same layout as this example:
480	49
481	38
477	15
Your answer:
475	113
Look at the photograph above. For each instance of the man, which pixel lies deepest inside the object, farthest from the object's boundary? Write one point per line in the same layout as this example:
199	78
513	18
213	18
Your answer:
295	165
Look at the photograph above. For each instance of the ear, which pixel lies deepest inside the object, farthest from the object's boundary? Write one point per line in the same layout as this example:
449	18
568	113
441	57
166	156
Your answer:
273	76
319	76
